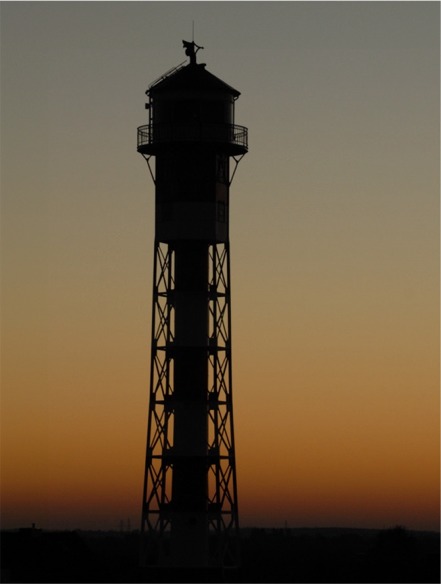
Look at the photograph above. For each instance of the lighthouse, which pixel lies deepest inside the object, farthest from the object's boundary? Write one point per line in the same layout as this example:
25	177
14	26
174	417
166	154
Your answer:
192	147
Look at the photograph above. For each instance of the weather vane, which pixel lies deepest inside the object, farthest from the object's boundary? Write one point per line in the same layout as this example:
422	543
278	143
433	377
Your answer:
190	50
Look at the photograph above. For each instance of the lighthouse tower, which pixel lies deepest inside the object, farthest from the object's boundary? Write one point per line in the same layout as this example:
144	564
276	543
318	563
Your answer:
189	509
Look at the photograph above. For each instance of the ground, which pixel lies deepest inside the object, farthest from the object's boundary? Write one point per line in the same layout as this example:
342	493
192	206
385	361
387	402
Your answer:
268	555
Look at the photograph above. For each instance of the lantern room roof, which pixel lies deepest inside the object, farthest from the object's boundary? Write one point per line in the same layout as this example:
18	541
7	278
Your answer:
191	77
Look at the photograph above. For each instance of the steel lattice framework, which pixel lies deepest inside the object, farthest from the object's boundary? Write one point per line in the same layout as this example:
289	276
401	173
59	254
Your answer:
222	510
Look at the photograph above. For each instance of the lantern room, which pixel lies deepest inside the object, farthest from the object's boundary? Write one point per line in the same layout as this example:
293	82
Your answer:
190	105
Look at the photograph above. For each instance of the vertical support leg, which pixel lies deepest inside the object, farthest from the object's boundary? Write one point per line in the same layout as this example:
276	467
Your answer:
155	522
223	508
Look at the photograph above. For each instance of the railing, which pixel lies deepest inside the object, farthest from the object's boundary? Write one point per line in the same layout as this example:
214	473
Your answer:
161	133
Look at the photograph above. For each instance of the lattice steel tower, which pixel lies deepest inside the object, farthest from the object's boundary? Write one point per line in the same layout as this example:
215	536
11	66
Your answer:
189	512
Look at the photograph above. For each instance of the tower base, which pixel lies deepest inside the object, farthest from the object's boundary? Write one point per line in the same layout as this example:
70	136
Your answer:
189	574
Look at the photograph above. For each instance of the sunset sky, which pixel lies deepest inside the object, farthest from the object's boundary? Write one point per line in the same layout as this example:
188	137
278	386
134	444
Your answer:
334	247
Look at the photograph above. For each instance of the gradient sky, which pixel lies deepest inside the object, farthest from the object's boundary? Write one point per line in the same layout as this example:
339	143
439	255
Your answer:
335	257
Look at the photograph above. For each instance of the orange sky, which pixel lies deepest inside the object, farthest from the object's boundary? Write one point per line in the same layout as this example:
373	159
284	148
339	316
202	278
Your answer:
335	258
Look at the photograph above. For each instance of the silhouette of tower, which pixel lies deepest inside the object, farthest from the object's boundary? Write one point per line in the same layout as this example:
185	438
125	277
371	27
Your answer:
189	512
